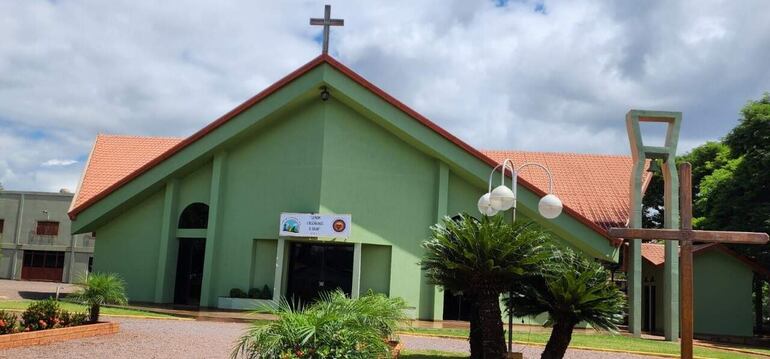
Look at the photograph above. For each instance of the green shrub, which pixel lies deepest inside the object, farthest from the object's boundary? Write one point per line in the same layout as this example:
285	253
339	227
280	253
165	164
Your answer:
97	289
333	327
41	314
266	293
255	293
8	323
238	293
68	319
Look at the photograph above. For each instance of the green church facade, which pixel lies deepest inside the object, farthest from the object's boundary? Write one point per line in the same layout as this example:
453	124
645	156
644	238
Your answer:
358	152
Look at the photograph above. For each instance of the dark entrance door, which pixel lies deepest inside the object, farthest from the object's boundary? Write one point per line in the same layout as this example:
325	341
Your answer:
456	307
42	265
315	268
189	271
648	303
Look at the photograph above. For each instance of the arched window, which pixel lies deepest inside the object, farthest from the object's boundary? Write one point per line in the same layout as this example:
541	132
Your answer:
195	216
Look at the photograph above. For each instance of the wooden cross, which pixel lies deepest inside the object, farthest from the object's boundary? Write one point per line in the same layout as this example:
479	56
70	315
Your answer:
326	22
686	235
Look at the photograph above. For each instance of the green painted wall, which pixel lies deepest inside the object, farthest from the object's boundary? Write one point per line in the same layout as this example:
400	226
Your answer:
194	187
263	265
723	303
389	186
375	269
723	300
128	245
274	170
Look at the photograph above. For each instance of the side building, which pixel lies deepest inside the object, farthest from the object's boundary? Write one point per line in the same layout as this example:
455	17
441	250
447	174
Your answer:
36	240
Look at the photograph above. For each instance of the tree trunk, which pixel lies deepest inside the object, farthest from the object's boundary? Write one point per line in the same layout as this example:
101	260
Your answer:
475	336
94	313
561	336
491	324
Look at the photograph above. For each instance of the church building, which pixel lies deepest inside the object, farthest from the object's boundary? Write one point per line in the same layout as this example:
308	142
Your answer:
186	220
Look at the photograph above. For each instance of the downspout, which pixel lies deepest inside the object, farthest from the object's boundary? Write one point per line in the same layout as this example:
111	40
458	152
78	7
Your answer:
72	258
17	237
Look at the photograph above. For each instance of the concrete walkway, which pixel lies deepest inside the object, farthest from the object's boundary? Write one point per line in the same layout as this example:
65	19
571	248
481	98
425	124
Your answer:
21	289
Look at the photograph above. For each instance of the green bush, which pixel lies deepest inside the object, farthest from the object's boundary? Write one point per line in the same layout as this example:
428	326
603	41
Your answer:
255	293
97	289
238	293
41	314
333	327
68	319
8	323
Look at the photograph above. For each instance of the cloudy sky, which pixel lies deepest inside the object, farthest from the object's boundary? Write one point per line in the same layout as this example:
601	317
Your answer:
527	75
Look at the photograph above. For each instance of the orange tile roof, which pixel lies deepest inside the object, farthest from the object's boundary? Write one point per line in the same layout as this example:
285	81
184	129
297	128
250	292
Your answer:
596	186
115	157
654	253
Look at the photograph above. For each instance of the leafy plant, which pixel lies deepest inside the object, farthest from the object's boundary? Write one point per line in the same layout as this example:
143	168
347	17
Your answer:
332	327
68	319
41	314
266	293
238	293
256	293
97	289
483	258
571	288
8	323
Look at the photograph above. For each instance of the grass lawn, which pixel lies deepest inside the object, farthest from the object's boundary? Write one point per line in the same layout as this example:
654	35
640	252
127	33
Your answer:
20	305
601	341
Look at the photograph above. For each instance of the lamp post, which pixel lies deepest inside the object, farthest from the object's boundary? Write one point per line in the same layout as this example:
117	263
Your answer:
502	198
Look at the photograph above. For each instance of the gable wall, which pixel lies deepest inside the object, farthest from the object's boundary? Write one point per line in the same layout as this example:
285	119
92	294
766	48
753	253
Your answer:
128	245
723	300
274	170
390	189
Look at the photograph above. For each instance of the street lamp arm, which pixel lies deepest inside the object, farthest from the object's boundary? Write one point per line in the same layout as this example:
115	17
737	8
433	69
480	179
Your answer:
547	172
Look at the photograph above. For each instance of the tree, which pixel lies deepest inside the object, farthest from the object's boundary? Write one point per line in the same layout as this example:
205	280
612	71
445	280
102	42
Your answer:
97	289
483	258
706	159
571	289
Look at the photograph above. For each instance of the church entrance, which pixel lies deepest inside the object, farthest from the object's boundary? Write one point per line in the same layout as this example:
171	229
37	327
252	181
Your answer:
456	307
315	268
648	308
189	271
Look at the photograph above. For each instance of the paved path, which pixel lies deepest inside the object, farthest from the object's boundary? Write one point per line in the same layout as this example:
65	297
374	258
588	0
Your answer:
159	338
20	289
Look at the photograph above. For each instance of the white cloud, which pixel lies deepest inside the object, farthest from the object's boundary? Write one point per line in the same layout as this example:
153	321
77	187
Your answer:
498	77
58	163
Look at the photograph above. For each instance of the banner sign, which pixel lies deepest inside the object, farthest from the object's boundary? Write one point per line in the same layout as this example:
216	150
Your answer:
314	225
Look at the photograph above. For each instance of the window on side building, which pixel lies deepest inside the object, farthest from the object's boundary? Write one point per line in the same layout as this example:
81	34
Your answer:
47	228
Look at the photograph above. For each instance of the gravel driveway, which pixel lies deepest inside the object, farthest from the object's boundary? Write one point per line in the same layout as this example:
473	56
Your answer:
159	338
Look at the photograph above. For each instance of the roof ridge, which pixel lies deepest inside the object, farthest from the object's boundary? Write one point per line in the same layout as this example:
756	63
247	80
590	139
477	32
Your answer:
557	153
139	136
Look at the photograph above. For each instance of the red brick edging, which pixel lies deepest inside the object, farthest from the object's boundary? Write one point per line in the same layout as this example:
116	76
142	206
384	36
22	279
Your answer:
56	335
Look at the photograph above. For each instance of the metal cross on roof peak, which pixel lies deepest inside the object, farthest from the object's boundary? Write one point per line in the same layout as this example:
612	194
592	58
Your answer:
326	22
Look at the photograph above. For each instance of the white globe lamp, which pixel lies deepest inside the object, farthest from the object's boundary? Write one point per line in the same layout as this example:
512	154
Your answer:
485	207
502	198
550	206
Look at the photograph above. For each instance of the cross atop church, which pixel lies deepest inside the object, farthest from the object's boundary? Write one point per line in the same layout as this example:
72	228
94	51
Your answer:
326	22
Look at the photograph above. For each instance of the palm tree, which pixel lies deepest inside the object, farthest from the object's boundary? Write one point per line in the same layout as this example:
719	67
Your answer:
482	258
97	289
571	289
